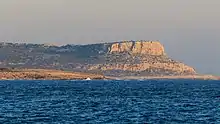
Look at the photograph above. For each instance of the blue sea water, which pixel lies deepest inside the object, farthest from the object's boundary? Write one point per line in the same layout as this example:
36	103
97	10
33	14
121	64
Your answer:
149	101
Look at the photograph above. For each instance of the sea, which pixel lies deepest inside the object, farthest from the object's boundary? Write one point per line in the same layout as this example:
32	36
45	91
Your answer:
110	102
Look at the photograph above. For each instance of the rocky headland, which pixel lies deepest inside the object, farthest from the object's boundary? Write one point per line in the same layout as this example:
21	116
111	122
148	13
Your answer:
125	59
141	58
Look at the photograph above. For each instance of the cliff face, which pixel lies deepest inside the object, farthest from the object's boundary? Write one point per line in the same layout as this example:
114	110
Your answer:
177	68
138	47
141	57
127	58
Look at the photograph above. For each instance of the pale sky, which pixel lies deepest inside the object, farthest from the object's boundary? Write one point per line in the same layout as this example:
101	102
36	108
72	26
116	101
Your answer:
189	29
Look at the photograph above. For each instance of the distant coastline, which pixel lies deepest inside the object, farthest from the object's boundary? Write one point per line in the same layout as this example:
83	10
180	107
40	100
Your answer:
193	77
140	59
46	74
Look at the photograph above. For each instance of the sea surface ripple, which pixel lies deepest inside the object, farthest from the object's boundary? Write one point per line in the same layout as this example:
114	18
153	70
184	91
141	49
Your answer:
131	101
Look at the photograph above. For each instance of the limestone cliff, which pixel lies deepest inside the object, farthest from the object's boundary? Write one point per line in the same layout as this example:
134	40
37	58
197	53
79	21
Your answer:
138	47
141	57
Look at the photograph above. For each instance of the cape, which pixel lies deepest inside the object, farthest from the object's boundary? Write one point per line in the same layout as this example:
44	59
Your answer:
117	59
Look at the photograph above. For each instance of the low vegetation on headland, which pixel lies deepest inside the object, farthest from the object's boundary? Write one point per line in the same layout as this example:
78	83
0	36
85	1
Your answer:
44	74
117	60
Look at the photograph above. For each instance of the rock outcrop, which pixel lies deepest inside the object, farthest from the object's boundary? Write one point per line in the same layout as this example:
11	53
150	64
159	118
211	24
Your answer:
147	57
138	47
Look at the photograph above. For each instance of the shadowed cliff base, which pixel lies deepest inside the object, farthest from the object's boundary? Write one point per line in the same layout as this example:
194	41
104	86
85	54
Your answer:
191	77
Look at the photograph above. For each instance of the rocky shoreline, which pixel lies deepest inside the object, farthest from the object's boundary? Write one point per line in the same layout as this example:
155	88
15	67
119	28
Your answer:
43	74
193	77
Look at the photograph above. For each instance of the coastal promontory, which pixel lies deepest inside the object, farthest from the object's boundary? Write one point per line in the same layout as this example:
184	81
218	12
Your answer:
114	59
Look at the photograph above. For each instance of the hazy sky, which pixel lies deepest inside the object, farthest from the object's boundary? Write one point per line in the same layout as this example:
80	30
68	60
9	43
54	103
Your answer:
189	29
